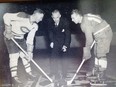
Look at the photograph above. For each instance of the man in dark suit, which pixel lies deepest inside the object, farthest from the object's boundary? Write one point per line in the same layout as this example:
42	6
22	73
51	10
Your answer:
59	42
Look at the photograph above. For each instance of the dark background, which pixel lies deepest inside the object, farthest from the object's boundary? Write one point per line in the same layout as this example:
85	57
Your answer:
105	8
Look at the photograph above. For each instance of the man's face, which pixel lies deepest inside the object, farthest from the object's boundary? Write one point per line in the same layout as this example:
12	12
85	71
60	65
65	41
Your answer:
38	17
75	18
56	16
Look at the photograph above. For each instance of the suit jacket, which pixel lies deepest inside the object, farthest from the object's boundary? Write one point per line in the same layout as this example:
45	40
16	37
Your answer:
60	34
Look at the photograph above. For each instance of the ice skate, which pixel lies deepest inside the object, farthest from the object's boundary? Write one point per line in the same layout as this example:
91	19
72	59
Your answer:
97	78
31	76
16	82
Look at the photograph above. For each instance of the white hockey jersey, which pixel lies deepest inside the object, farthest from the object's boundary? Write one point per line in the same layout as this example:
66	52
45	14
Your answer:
20	25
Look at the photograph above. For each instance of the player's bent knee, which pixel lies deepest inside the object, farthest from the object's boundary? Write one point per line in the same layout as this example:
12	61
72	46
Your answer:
22	55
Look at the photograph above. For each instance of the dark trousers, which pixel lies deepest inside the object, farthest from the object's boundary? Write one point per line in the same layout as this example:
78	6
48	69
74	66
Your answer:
58	62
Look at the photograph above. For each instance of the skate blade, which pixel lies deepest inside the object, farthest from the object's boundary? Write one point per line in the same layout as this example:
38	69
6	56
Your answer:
80	83
98	84
92	77
6	85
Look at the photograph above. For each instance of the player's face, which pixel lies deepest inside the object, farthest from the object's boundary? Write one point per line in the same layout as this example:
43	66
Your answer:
38	17
75	18
56	16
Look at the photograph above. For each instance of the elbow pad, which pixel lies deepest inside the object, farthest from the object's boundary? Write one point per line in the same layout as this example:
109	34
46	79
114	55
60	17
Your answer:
8	29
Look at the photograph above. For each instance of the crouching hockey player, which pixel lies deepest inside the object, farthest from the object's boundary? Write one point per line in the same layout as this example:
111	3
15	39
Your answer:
16	26
98	30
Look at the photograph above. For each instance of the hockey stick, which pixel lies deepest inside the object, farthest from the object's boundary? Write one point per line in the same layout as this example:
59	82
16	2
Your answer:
70	81
32	60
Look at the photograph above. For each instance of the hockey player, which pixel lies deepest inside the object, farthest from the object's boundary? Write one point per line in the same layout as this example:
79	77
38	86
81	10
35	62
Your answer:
98	30
16	26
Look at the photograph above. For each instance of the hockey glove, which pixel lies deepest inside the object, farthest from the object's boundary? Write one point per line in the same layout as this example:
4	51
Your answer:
8	33
30	56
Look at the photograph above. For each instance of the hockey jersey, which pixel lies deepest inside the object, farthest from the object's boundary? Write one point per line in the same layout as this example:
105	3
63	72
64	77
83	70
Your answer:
92	26
20	24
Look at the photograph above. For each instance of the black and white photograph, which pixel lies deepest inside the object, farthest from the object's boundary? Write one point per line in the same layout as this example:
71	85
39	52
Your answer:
57	43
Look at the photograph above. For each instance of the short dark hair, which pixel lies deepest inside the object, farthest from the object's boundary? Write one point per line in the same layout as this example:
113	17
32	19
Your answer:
55	11
76	11
38	11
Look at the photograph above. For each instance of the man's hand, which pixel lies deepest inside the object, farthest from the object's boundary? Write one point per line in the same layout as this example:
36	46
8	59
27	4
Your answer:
64	48
86	53
8	33
30	56
51	44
